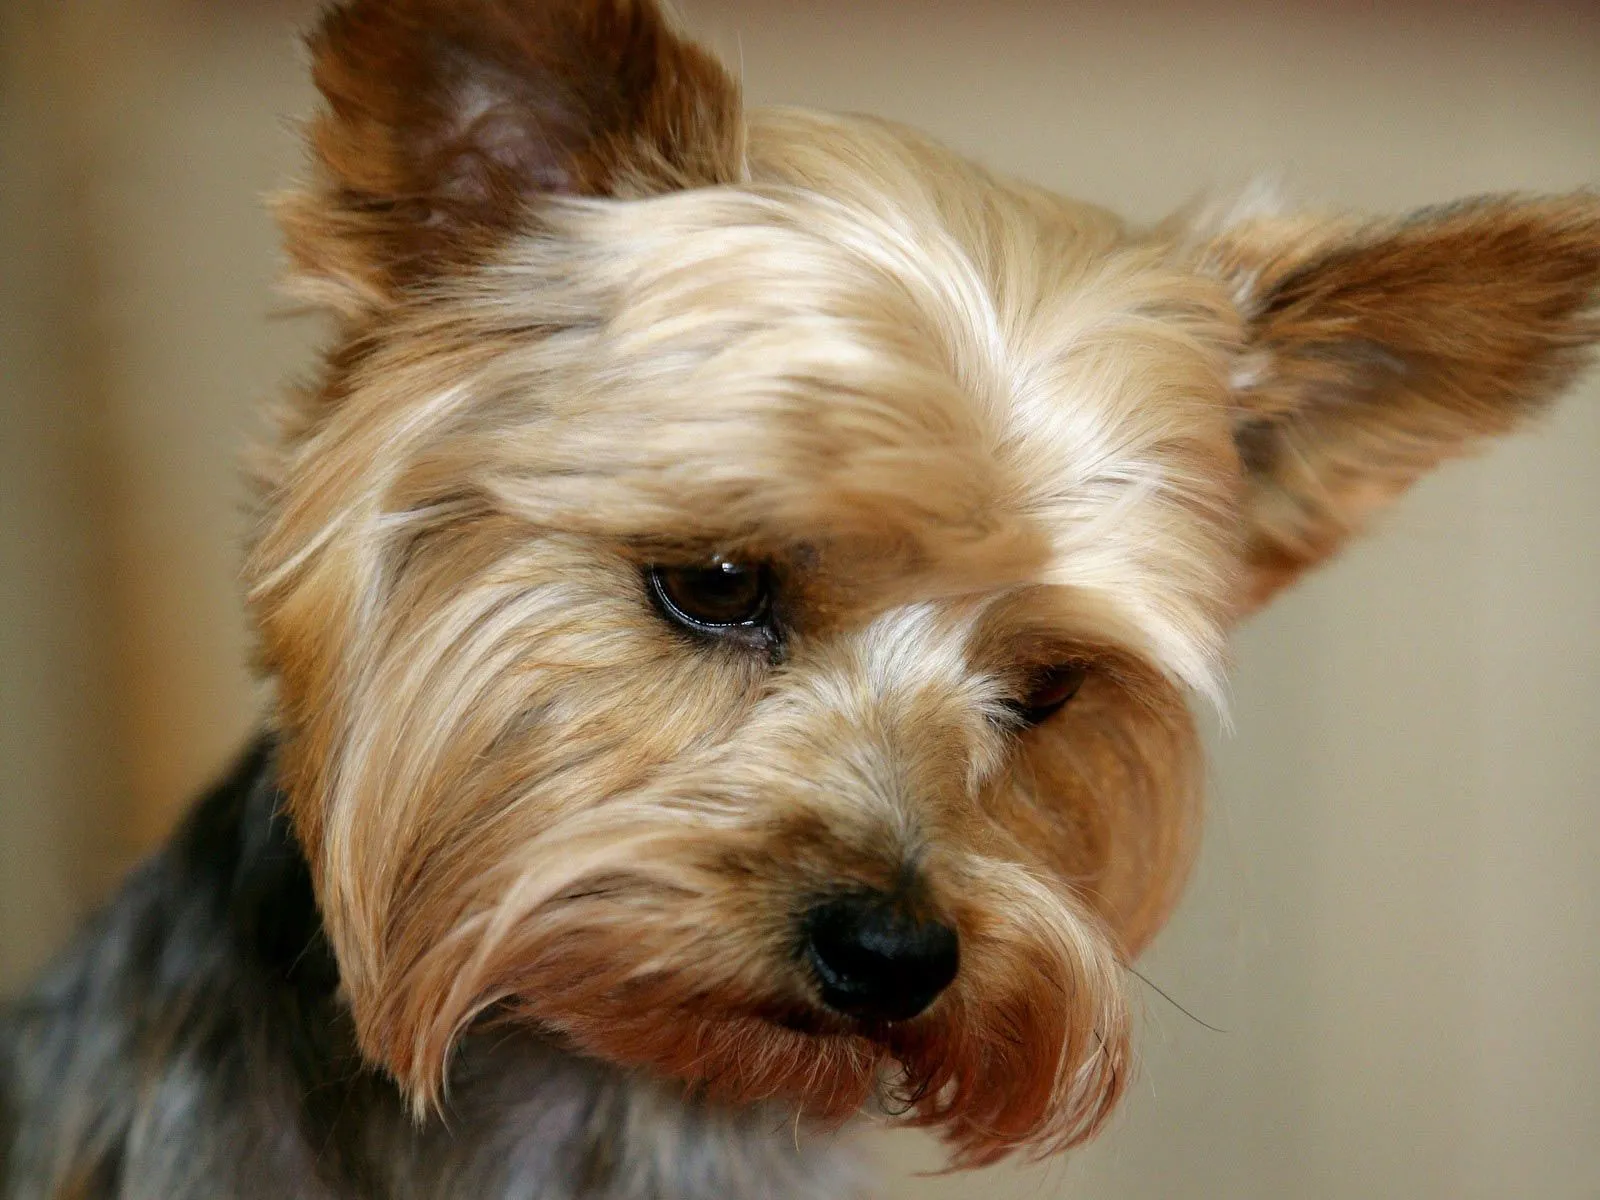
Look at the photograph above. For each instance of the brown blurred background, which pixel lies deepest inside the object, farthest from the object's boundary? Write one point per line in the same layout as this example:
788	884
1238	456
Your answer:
1396	924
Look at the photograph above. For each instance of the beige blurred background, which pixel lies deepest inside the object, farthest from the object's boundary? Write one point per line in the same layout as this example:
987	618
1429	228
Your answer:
1396	923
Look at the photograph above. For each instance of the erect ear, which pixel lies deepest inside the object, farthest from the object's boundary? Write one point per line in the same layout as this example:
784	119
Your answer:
1374	350
447	120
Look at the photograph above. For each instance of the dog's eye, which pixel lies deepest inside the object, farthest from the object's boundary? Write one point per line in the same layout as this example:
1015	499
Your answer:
1049	691
720	598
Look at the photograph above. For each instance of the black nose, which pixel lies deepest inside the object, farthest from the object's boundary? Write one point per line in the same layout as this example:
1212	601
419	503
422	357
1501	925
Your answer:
874	958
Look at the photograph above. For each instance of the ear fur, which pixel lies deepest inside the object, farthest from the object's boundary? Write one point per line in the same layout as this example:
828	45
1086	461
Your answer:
446	121
1375	350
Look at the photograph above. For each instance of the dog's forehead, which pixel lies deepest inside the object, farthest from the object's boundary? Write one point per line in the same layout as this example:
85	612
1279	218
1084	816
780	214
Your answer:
871	337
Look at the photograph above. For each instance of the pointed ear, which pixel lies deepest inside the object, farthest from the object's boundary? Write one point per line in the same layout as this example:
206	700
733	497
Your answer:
447	120
1375	350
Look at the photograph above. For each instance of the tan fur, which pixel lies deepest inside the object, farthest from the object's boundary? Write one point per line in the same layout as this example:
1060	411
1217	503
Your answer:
598	318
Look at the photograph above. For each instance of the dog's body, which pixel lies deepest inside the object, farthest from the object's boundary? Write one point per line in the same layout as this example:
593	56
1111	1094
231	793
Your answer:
733	596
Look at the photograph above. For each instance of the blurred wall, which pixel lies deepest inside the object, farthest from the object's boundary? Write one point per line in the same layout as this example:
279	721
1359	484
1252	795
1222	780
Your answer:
56	719
1393	926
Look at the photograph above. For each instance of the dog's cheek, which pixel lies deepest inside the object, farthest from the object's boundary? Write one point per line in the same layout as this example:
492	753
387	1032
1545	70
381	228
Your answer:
505	685
1106	796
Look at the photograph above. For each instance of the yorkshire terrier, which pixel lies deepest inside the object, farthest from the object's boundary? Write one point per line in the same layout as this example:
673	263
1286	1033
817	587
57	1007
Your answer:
733	594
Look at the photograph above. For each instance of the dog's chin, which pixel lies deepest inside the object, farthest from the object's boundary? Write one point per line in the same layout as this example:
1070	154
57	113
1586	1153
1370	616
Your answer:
815	1020
991	1079
783	1053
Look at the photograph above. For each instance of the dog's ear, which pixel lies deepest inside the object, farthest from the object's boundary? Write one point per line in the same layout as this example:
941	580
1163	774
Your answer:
1375	350
446	120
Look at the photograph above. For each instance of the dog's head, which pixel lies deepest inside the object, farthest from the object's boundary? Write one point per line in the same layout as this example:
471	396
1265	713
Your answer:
736	586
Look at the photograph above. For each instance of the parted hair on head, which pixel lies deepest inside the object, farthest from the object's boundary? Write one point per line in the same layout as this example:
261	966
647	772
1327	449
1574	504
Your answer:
737	585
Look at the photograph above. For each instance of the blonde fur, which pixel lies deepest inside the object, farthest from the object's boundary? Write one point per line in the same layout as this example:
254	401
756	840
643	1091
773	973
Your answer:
973	427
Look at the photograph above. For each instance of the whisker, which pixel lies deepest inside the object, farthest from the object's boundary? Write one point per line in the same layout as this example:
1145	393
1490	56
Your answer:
1158	990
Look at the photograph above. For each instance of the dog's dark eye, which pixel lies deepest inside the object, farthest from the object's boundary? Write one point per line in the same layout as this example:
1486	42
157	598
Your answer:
721	598
1049	690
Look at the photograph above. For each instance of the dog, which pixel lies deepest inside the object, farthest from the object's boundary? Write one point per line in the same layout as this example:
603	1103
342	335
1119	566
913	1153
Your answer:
734	595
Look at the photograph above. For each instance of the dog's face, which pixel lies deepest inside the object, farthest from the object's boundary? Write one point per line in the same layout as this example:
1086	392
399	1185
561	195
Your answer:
736	588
